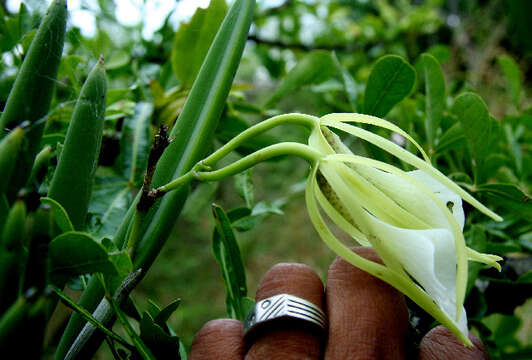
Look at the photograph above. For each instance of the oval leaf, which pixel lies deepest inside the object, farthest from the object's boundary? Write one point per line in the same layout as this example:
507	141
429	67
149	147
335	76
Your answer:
59	213
76	253
513	76
314	68
473	115
434	95
390	81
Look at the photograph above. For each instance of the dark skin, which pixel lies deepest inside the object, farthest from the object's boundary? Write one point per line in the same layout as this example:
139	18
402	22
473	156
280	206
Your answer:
368	319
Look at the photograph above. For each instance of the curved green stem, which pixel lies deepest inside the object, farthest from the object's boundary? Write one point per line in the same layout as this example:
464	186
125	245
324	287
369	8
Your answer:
285	148
293	118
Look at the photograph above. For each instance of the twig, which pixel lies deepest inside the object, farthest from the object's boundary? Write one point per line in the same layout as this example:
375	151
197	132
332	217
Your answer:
160	143
299	46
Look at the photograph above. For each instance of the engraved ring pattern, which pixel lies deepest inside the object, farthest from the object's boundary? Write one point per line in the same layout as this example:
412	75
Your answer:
284	306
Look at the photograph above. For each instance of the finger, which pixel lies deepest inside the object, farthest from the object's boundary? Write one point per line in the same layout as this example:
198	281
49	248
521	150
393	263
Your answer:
288	339
368	319
440	344
218	340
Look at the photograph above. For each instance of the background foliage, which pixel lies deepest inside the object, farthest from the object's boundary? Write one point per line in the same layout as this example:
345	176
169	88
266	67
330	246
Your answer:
453	74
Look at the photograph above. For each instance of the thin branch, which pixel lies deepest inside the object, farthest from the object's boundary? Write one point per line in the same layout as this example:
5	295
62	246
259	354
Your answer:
299	46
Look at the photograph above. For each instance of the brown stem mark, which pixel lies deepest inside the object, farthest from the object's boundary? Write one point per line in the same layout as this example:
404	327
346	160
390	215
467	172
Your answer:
160	143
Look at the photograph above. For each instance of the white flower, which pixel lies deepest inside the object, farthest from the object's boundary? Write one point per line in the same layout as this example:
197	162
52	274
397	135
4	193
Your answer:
414	220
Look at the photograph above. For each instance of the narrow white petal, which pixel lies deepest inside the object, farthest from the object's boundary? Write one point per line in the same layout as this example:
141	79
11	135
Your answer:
372	120
408	196
411	159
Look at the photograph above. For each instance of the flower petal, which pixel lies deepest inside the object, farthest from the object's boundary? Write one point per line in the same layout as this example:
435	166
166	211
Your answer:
411	159
454	227
429	256
373	120
408	196
402	283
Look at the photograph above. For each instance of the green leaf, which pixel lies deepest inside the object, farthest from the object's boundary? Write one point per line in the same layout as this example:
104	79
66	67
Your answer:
117	60
391	80
525	278
120	259
161	344
192	41
510	197
141	347
122	263
503	329
434	96
452	139
472	113
227	254
244	187
259	212
441	52
76	253
111	197
59	213
314	68
513	76
162	317
525	241
27	40
515	147
135	142
238	213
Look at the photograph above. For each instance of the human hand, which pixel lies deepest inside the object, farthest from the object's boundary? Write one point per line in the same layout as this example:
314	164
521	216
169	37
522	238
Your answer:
368	319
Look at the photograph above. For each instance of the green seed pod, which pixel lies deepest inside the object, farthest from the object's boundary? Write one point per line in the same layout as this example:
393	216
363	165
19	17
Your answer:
30	97
72	181
12	254
9	149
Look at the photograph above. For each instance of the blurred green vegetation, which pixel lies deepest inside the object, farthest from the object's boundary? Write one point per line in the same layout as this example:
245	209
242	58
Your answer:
314	57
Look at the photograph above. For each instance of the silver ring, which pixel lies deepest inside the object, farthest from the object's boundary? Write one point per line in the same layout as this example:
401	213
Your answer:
284	306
